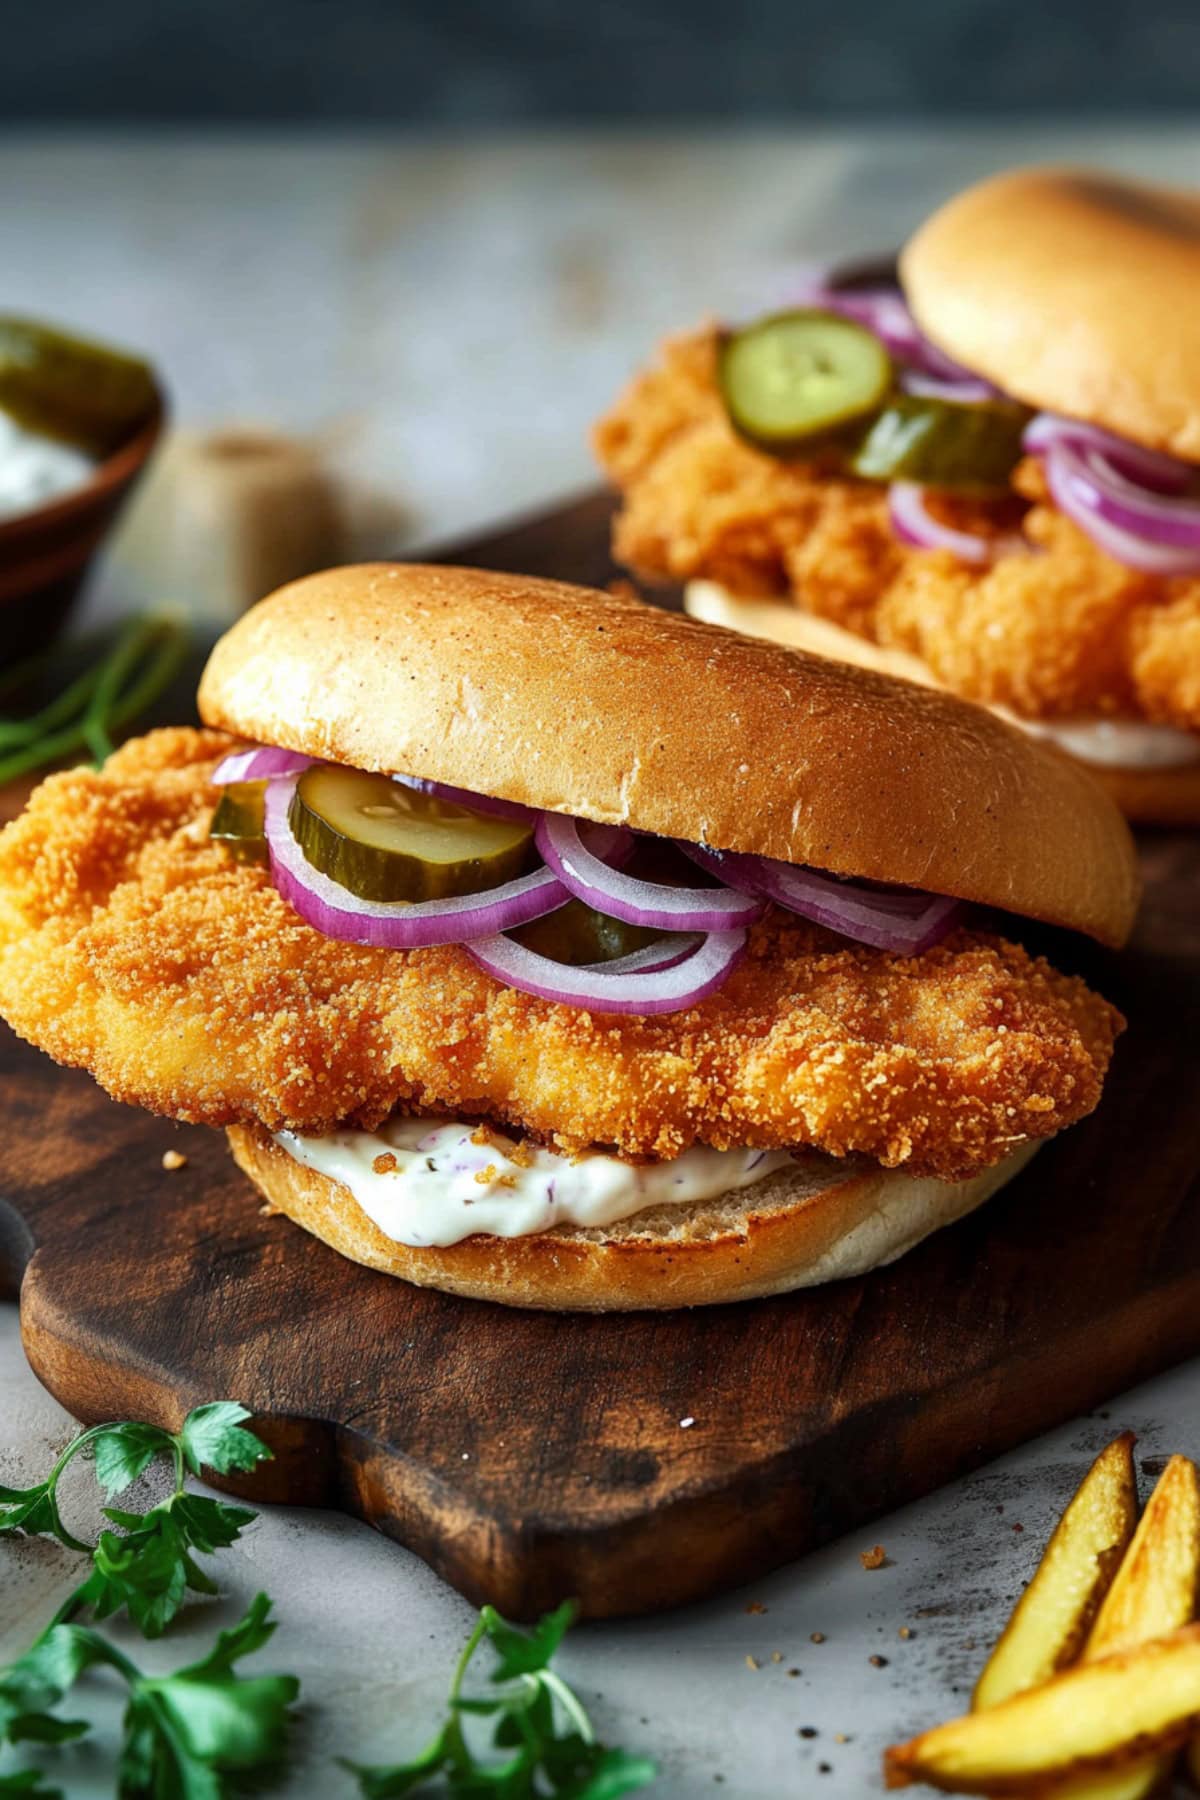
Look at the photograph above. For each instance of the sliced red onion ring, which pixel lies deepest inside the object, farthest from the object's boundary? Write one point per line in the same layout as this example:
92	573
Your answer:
965	392
625	986
1149	468
914	524
621	896
260	764
480	803
1152	532
901	921
396	924
885	312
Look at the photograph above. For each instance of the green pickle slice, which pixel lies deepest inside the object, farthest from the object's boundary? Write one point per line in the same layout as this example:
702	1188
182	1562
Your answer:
238	821
576	934
797	376
68	388
941	443
385	841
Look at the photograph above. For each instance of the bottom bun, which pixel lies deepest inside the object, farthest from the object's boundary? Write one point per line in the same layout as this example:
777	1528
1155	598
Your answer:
821	1220
1167	796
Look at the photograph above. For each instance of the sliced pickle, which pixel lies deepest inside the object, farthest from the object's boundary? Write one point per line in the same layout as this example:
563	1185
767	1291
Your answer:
238	821
798	376
69	388
941	443
384	841
577	934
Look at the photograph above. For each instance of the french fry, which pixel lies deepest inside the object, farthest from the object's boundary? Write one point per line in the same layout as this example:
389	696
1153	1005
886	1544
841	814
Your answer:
1093	1719
1054	1615
1153	1592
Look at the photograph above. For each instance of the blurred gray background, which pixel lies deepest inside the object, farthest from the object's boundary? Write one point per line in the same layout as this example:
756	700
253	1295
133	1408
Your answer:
458	63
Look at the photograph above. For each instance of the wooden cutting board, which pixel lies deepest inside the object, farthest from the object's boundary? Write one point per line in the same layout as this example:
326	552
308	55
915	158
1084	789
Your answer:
526	1456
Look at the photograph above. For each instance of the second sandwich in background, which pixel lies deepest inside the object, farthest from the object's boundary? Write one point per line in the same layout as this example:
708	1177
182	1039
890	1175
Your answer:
996	491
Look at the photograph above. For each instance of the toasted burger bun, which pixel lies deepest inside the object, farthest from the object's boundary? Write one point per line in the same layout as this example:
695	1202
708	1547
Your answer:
585	703
1074	291
820	1222
1169	796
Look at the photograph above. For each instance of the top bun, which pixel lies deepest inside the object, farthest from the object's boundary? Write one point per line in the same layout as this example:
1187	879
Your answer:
584	703
1073	291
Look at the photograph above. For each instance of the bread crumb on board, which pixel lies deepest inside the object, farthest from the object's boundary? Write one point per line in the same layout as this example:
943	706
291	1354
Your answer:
873	1559
174	1159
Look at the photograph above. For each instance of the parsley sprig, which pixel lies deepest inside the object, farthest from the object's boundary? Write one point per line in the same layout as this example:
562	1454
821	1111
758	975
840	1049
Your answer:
542	1742
182	1732
148	1566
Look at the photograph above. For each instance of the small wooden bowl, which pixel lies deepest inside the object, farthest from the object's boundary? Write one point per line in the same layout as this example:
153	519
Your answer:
45	554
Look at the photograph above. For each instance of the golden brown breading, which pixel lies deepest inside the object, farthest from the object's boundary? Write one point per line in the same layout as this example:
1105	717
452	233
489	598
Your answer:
1063	633
132	945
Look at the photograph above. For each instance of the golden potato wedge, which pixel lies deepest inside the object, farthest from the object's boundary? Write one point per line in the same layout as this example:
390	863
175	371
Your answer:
1152	1593
1096	1718
1054	1615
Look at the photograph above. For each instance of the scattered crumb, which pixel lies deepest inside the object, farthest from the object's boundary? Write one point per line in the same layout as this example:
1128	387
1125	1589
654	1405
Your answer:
906	1632
385	1163
777	1656
840	1737
752	1662
685	1424
174	1159
818	1637
873	1559
755	1606
491	1177
824	1768
793	1673
807	1731
466	1456
878	1662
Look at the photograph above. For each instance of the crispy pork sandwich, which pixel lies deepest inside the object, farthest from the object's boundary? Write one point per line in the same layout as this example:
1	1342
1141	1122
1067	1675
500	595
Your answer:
989	482
538	945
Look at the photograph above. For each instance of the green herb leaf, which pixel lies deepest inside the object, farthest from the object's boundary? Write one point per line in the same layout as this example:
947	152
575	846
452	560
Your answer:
28	1781
525	1652
31	1510
36	1682
538	1719
123	1452
213	1438
182	1731
148	1570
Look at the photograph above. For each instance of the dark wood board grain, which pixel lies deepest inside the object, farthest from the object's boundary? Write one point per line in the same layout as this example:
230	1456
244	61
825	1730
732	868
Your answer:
527	1456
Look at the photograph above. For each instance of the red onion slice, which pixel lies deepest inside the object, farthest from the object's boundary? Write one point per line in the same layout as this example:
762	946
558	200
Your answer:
1149	468
884	311
1149	531
615	987
966	391
904	922
395	924
914	524
480	803
262	763
621	896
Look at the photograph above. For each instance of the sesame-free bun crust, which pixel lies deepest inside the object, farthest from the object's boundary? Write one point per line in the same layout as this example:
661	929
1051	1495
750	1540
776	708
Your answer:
1075	291
602	707
1169	796
822	1221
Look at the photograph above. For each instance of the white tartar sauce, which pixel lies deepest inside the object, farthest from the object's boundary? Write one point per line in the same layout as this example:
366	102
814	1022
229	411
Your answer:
428	1182
35	469
1115	743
